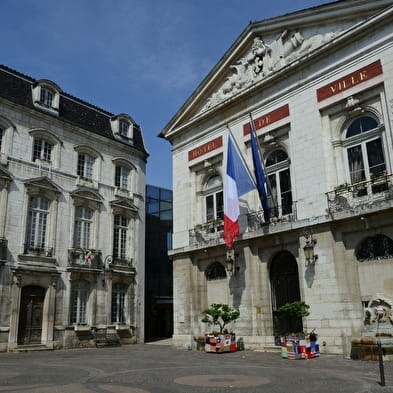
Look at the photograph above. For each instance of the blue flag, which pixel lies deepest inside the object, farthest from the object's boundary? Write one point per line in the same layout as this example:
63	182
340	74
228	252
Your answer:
259	174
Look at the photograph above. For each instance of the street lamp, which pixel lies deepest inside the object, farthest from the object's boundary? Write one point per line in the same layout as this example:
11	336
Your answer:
106	268
230	261
308	249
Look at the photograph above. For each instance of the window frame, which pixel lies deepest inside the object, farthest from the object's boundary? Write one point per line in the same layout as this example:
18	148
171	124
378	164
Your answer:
79	302
120	237
278	170
216	194
119	303
362	139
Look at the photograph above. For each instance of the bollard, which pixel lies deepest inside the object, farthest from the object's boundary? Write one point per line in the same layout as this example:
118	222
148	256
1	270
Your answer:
381	369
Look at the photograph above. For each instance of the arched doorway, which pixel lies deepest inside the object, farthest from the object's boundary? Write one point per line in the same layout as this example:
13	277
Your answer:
30	316
284	279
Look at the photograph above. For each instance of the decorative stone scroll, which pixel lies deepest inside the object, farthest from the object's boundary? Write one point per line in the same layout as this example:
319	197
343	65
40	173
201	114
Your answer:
378	316
264	59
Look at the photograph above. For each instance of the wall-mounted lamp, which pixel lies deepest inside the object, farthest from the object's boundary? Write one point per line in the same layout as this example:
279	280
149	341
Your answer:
308	249
106	268
230	261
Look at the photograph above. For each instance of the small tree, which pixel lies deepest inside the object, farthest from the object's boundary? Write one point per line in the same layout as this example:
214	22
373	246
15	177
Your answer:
295	309
220	314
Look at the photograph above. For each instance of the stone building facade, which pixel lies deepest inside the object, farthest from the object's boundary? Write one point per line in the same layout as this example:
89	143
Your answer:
72	211
318	86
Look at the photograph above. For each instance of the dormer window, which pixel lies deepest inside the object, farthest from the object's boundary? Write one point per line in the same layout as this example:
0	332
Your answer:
46	96
123	127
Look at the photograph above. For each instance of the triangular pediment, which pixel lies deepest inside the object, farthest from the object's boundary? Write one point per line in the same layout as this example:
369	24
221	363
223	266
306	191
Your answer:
269	49
124	203
5	174
88	194
44	183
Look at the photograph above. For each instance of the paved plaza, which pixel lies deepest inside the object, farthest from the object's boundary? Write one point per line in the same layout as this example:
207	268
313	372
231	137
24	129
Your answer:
149	368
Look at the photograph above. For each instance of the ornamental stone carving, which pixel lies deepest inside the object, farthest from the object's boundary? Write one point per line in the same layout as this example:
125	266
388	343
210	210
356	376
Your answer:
264	59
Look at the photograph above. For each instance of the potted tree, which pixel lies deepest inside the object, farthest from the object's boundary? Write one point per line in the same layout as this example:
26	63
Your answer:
296	344
220	315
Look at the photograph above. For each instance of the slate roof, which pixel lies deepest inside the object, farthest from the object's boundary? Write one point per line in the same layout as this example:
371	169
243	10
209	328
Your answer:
17	88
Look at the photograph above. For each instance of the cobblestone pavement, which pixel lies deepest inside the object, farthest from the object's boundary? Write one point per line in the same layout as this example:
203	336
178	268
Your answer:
144	368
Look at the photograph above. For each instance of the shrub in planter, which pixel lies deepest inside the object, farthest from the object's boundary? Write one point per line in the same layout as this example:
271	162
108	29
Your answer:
220	315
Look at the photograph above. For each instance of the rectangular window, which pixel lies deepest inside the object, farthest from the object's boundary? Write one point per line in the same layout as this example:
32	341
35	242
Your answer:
123	128
46	97
118	303
1	137
79	298
85	166
42	150
120	237
121	177
83	222
356	165
37	222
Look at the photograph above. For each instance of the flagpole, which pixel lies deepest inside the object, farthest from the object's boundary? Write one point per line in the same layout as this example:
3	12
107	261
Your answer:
262	161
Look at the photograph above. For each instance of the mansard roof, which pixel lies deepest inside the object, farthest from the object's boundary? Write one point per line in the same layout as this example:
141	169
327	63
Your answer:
17	88
270	50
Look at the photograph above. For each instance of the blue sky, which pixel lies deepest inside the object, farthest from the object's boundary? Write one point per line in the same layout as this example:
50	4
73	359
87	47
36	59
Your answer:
140	57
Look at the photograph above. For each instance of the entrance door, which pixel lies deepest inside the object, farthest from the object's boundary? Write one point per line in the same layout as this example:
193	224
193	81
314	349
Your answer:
284	278
30	317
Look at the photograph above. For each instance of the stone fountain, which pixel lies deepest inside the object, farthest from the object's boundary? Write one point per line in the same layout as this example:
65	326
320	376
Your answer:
377	327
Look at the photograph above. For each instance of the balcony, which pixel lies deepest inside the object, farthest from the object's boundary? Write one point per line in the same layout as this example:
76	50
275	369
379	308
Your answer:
122	265
207	233
42	257
38	251
210	233
3	249
83	258
363	196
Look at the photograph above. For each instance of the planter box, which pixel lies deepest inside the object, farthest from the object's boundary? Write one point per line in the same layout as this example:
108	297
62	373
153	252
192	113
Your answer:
220	343
298	347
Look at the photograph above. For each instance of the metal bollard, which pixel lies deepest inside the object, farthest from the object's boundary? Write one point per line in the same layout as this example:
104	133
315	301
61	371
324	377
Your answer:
381	368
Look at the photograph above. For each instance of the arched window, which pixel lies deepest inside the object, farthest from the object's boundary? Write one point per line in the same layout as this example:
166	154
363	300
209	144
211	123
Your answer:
375	247
214	199
364	149
279	178
215	271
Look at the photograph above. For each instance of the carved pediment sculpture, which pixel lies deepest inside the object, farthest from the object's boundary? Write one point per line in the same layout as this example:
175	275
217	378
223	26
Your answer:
263	59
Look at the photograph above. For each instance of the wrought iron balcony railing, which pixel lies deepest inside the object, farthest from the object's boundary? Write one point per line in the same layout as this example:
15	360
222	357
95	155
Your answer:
275	215
349	197
38	251
210	233
84	258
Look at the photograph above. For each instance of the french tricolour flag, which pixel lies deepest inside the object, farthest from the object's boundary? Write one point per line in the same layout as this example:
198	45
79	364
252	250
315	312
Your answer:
237	183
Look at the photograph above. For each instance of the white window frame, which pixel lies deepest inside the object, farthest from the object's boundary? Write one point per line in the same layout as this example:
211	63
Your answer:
119	302
37	223
120	236
79	300
216	193
277	171
83	227
361	140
